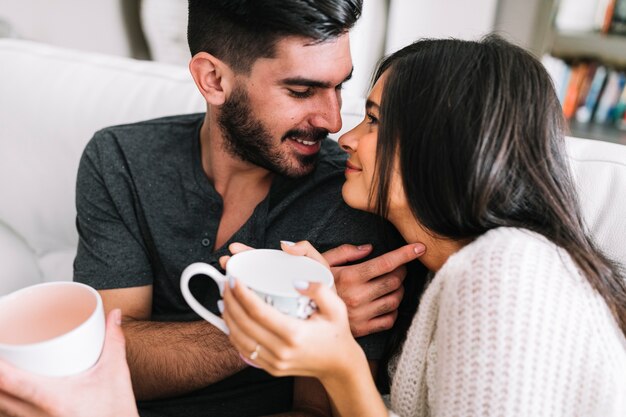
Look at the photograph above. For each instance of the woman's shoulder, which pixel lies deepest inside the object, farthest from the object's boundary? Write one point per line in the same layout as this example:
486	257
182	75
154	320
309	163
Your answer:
509	261
504	238
505	247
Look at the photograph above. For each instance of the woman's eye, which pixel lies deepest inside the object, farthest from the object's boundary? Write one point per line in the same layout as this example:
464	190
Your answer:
371	119
301	94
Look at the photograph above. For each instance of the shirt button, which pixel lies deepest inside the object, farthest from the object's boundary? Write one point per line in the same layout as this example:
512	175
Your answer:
206	242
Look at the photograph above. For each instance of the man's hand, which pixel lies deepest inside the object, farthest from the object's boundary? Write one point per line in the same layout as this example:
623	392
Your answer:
371	290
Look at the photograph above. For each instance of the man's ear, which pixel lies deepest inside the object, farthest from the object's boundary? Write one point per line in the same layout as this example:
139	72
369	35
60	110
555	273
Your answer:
213	77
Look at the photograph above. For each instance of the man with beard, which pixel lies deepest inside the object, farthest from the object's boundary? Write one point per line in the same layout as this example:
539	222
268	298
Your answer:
156	196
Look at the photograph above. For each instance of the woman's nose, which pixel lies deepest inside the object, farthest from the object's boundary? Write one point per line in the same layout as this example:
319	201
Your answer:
348	141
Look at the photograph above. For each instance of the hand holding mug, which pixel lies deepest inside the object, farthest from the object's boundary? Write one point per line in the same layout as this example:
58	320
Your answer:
372	290
102	391
283	345
269	273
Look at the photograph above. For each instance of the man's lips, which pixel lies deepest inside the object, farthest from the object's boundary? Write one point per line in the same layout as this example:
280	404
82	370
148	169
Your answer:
306	147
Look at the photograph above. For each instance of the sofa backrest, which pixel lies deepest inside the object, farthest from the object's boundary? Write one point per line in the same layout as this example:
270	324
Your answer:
52	100
599	169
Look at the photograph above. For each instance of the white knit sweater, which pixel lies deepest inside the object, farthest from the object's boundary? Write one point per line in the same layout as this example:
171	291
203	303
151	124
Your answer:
509	327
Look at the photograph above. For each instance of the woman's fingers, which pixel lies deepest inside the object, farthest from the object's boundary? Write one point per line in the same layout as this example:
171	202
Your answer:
328	302
234	248
114	349
237	247
303	248
14	407
255	319
20	385
245	343
223	261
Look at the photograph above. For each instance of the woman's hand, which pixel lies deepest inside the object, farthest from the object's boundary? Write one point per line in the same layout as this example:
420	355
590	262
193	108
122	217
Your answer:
282	345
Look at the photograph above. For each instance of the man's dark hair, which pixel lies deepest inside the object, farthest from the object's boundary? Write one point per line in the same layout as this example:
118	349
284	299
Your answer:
240	31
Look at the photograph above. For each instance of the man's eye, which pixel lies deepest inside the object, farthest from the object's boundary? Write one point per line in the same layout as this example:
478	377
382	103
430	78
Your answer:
301	94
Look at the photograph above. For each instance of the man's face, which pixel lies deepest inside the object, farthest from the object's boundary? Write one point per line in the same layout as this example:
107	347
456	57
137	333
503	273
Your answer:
277	116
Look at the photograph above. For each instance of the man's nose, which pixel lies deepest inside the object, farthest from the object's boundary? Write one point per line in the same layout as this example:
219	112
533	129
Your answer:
328	115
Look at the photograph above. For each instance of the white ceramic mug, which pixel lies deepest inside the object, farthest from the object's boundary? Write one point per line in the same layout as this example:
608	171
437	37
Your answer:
269	273
53	329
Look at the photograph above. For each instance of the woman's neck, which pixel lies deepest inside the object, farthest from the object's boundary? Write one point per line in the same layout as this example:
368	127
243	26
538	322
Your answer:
438	249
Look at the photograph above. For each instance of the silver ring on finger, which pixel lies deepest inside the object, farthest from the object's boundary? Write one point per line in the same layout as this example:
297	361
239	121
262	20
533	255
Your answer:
255	352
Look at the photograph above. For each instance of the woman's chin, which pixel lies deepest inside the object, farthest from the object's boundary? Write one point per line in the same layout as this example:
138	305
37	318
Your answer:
354	199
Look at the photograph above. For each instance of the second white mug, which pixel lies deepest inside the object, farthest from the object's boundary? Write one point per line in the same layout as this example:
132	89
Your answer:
53	329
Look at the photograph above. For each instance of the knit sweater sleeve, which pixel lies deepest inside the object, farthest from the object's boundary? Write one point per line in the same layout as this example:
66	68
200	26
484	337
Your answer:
512	337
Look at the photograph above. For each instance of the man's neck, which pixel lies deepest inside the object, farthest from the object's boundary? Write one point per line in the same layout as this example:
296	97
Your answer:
241	184
225	171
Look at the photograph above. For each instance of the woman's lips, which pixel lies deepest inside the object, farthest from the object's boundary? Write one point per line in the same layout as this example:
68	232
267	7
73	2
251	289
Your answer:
351	168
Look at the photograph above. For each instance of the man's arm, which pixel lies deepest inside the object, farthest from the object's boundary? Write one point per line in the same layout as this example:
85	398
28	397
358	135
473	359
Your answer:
169	358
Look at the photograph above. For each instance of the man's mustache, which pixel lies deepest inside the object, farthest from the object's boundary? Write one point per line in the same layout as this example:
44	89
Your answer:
312	135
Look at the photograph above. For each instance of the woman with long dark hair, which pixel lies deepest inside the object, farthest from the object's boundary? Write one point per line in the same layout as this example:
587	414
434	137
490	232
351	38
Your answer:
462	149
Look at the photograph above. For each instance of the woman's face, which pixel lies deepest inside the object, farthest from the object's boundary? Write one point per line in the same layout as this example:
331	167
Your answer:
360	143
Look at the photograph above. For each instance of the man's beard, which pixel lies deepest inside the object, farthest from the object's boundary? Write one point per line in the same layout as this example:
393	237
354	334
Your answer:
247	138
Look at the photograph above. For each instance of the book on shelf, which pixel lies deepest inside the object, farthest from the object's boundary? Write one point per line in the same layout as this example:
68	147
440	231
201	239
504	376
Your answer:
576	79
618	20
589	91
620	109
610	96
600	14
587	110
608	17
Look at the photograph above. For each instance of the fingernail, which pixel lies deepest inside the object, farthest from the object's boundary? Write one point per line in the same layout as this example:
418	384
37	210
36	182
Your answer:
301	284
419	249
364	247
117	317
287	243
231	282
220	306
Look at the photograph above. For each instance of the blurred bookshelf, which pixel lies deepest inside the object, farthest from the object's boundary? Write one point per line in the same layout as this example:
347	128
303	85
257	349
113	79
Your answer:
608	48
584	49
597	131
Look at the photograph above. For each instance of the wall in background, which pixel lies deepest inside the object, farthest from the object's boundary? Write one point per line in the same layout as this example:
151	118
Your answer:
157	28
107	26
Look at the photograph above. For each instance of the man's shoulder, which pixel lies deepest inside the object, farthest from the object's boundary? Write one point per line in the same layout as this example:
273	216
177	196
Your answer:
147	132
332	157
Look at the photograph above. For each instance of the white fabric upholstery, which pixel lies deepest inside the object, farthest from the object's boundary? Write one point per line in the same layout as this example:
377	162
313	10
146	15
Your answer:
599	169
52	100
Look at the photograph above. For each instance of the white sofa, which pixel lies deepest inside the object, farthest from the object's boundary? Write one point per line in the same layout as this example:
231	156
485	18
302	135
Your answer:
52	100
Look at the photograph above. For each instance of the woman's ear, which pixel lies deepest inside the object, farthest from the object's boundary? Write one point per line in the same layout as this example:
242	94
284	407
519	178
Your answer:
212	76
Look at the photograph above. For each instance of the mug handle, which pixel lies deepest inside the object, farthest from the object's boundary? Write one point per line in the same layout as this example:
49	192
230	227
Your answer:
203	269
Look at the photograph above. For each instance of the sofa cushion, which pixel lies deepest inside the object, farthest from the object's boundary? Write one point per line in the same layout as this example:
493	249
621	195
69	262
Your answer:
19	262
52	102
599	169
